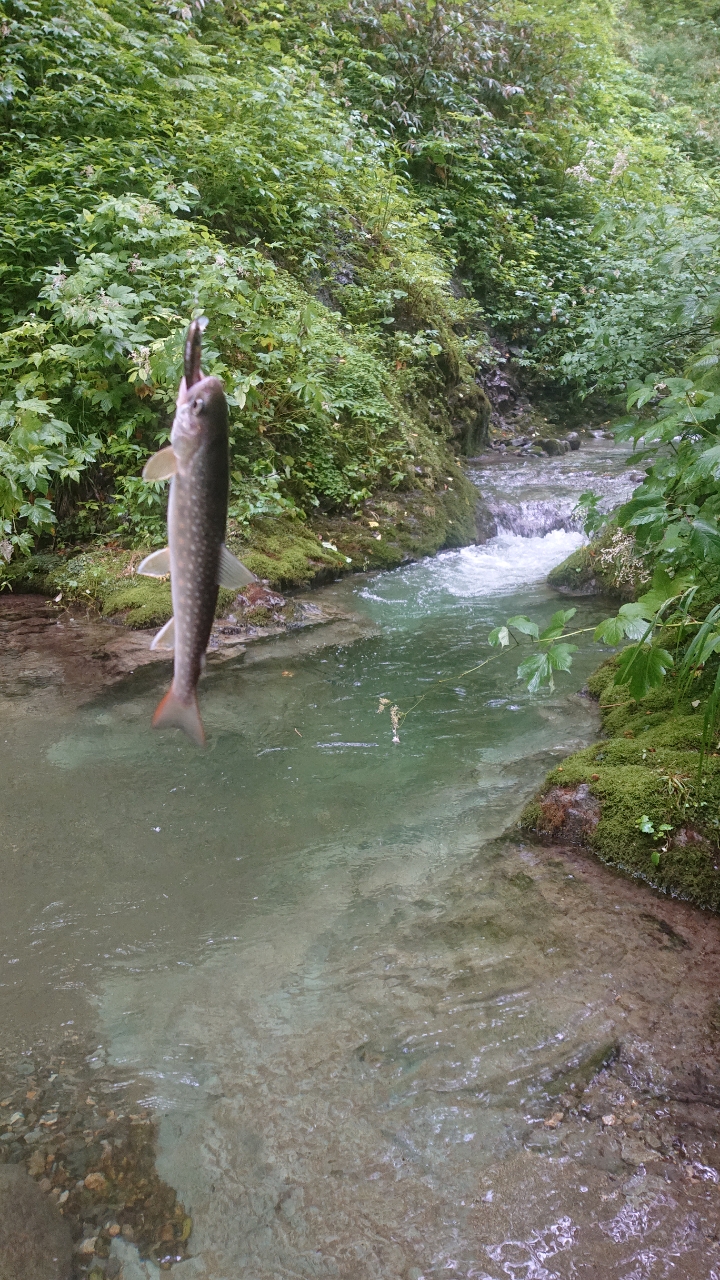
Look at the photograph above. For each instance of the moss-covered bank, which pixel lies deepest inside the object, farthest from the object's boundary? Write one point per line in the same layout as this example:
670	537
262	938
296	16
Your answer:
647	764
390	529
610	565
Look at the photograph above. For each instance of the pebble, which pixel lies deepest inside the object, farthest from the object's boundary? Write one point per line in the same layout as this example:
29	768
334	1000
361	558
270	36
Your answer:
608	1120
554	1120
95	1182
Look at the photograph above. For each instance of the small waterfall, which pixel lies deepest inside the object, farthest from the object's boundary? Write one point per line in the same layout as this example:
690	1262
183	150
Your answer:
531	518
532	497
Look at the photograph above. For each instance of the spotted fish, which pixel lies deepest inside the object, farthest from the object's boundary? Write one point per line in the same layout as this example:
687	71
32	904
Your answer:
197	462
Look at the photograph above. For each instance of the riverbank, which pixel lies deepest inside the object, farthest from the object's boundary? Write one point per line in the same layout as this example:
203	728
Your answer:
644	798
284	553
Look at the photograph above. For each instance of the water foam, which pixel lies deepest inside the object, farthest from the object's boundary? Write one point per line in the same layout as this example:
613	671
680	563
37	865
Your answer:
506	562
495	568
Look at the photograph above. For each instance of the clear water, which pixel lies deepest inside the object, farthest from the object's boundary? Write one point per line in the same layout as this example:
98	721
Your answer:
345	1000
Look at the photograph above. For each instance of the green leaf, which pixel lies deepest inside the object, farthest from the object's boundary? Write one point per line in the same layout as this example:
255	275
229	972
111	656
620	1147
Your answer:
559	656
500	636
704	541
557	624
611	631
645	825
641	668
631	623
536	671
524	625
663	590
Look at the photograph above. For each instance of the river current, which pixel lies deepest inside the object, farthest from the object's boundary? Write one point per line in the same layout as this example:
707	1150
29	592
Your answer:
355	997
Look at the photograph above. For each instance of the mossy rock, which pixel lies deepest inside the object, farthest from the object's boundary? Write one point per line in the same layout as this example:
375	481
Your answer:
394	528
648	764
609	565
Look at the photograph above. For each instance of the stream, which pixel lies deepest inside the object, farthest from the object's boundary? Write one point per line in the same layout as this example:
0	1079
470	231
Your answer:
387	1037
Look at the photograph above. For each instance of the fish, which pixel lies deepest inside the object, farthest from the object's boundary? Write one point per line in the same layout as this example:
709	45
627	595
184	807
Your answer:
197	463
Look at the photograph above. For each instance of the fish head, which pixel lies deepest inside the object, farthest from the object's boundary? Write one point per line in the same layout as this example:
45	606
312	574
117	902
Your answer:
201	418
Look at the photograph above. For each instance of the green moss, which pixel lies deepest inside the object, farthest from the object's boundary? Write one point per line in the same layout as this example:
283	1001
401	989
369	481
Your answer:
648	765
575	575
288	553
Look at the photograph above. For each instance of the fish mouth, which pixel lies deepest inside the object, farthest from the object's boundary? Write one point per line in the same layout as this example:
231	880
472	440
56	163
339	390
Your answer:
193	351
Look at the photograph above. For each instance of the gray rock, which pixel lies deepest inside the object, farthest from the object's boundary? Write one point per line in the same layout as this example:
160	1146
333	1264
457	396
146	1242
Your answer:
554	447
573	440
35	1240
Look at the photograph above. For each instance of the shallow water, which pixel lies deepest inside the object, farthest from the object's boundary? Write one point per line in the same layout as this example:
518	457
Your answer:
349	1002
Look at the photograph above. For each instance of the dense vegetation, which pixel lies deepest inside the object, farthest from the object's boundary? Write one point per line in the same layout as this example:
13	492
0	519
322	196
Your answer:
356	194
155	165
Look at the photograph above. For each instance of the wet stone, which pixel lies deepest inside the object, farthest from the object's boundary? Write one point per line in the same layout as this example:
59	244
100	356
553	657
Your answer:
94	1172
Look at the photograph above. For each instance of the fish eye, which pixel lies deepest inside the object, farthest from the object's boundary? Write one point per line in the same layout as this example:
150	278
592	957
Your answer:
198	405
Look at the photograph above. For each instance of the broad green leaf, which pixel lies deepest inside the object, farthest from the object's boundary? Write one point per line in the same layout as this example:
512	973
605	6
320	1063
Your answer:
642	667
674	536
536	671
611	631
557	624
524	625
704	540
559	656
500	636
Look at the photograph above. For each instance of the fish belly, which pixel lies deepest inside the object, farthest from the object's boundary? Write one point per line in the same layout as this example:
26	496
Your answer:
195	536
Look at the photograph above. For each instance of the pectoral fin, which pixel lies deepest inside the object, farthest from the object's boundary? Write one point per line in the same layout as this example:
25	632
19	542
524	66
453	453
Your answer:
156	565
161	465
231	573
165	638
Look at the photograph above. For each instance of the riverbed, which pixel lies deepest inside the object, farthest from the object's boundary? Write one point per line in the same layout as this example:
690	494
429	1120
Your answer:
385	1036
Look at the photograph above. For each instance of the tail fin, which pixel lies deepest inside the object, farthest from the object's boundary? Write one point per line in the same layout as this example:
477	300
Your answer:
171	713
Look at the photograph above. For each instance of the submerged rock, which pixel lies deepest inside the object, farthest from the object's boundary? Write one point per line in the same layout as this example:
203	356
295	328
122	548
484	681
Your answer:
35	1241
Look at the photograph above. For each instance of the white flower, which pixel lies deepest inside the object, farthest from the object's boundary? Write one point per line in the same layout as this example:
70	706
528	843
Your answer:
620	164
580	172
